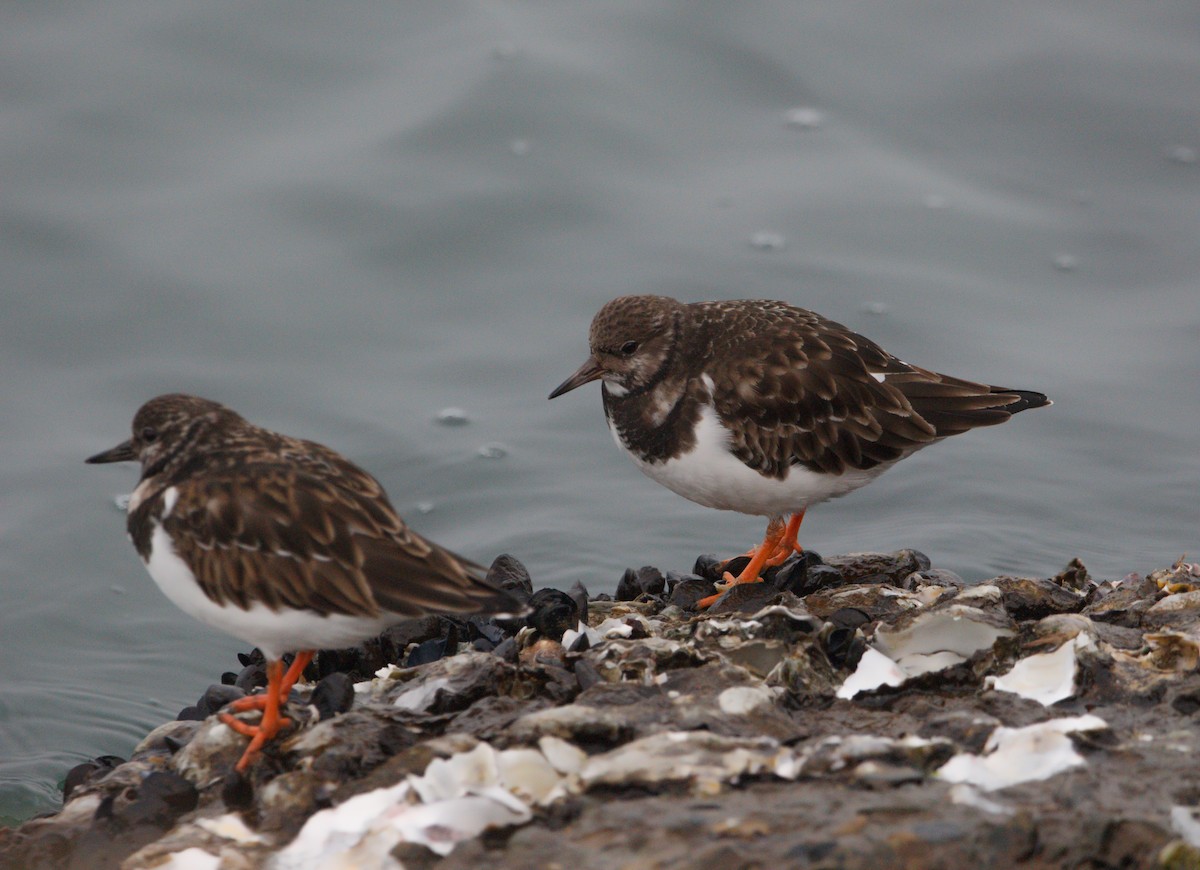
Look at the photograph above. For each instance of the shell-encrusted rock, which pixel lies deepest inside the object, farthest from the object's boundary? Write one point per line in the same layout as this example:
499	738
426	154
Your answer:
1180	577
448	684
1174	651
933	577
785	621
723	699
349	745
703	761
759	657
226	839
122	812
806	672
1033	598
832	755
1174	611
966	729
762	641
1015	755
931	647
878	601
642	660
406	758
210	754
1118	636
889	567
1045	677
165	740
1075	577
630	626
937	639
985	596
788	620
1052	630
1123	604
284	804
599	611
608	739
744	598
580	724
744	700
1113	676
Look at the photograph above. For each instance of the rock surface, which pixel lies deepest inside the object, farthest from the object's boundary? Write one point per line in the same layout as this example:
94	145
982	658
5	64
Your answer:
888	716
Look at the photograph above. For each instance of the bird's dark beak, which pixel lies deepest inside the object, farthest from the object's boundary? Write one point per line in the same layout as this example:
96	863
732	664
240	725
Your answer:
123	452
586	373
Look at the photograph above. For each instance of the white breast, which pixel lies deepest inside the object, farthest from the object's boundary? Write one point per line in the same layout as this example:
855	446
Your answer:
274	632
712	476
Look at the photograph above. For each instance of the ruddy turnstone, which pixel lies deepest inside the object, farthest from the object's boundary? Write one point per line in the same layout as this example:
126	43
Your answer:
278	541
764	408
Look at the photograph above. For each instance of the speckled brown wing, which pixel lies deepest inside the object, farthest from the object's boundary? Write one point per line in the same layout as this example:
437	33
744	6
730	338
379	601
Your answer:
275	535
265	446
797	389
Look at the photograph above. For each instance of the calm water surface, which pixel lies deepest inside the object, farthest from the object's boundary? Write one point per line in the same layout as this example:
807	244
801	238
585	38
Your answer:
342	218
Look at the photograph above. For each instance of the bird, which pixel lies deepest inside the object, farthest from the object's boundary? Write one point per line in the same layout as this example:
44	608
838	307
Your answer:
765	408
281	542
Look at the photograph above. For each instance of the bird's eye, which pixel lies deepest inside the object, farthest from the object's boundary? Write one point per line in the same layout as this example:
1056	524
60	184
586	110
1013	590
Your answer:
629	348
149	434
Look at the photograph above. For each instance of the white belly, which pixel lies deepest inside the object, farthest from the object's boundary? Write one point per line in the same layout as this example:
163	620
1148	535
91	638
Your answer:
274	632
712	476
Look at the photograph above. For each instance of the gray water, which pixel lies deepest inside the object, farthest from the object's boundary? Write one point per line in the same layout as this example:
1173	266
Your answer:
341	219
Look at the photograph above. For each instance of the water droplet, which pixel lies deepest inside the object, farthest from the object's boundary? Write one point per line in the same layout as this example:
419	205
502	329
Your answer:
934	201
122	501
876	308
520	147
424	507
493	450
452	417
767	241
505	51
1065	262
804	118
1183	154
117	589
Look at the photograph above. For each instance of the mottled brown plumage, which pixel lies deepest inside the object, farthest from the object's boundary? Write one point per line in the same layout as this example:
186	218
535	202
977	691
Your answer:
792	387
264	518
279	541
795	408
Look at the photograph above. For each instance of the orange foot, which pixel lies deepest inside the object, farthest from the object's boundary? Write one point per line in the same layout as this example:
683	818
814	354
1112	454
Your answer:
778	544
788	543
279	685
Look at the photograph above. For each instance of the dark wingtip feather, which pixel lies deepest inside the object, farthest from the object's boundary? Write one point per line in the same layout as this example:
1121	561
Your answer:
1026	399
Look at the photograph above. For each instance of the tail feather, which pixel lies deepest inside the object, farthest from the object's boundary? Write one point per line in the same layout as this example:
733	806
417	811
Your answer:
952	406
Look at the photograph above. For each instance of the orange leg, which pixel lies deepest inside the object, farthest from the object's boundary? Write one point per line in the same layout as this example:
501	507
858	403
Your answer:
772	542
279	685
259	702
779	543
788	543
